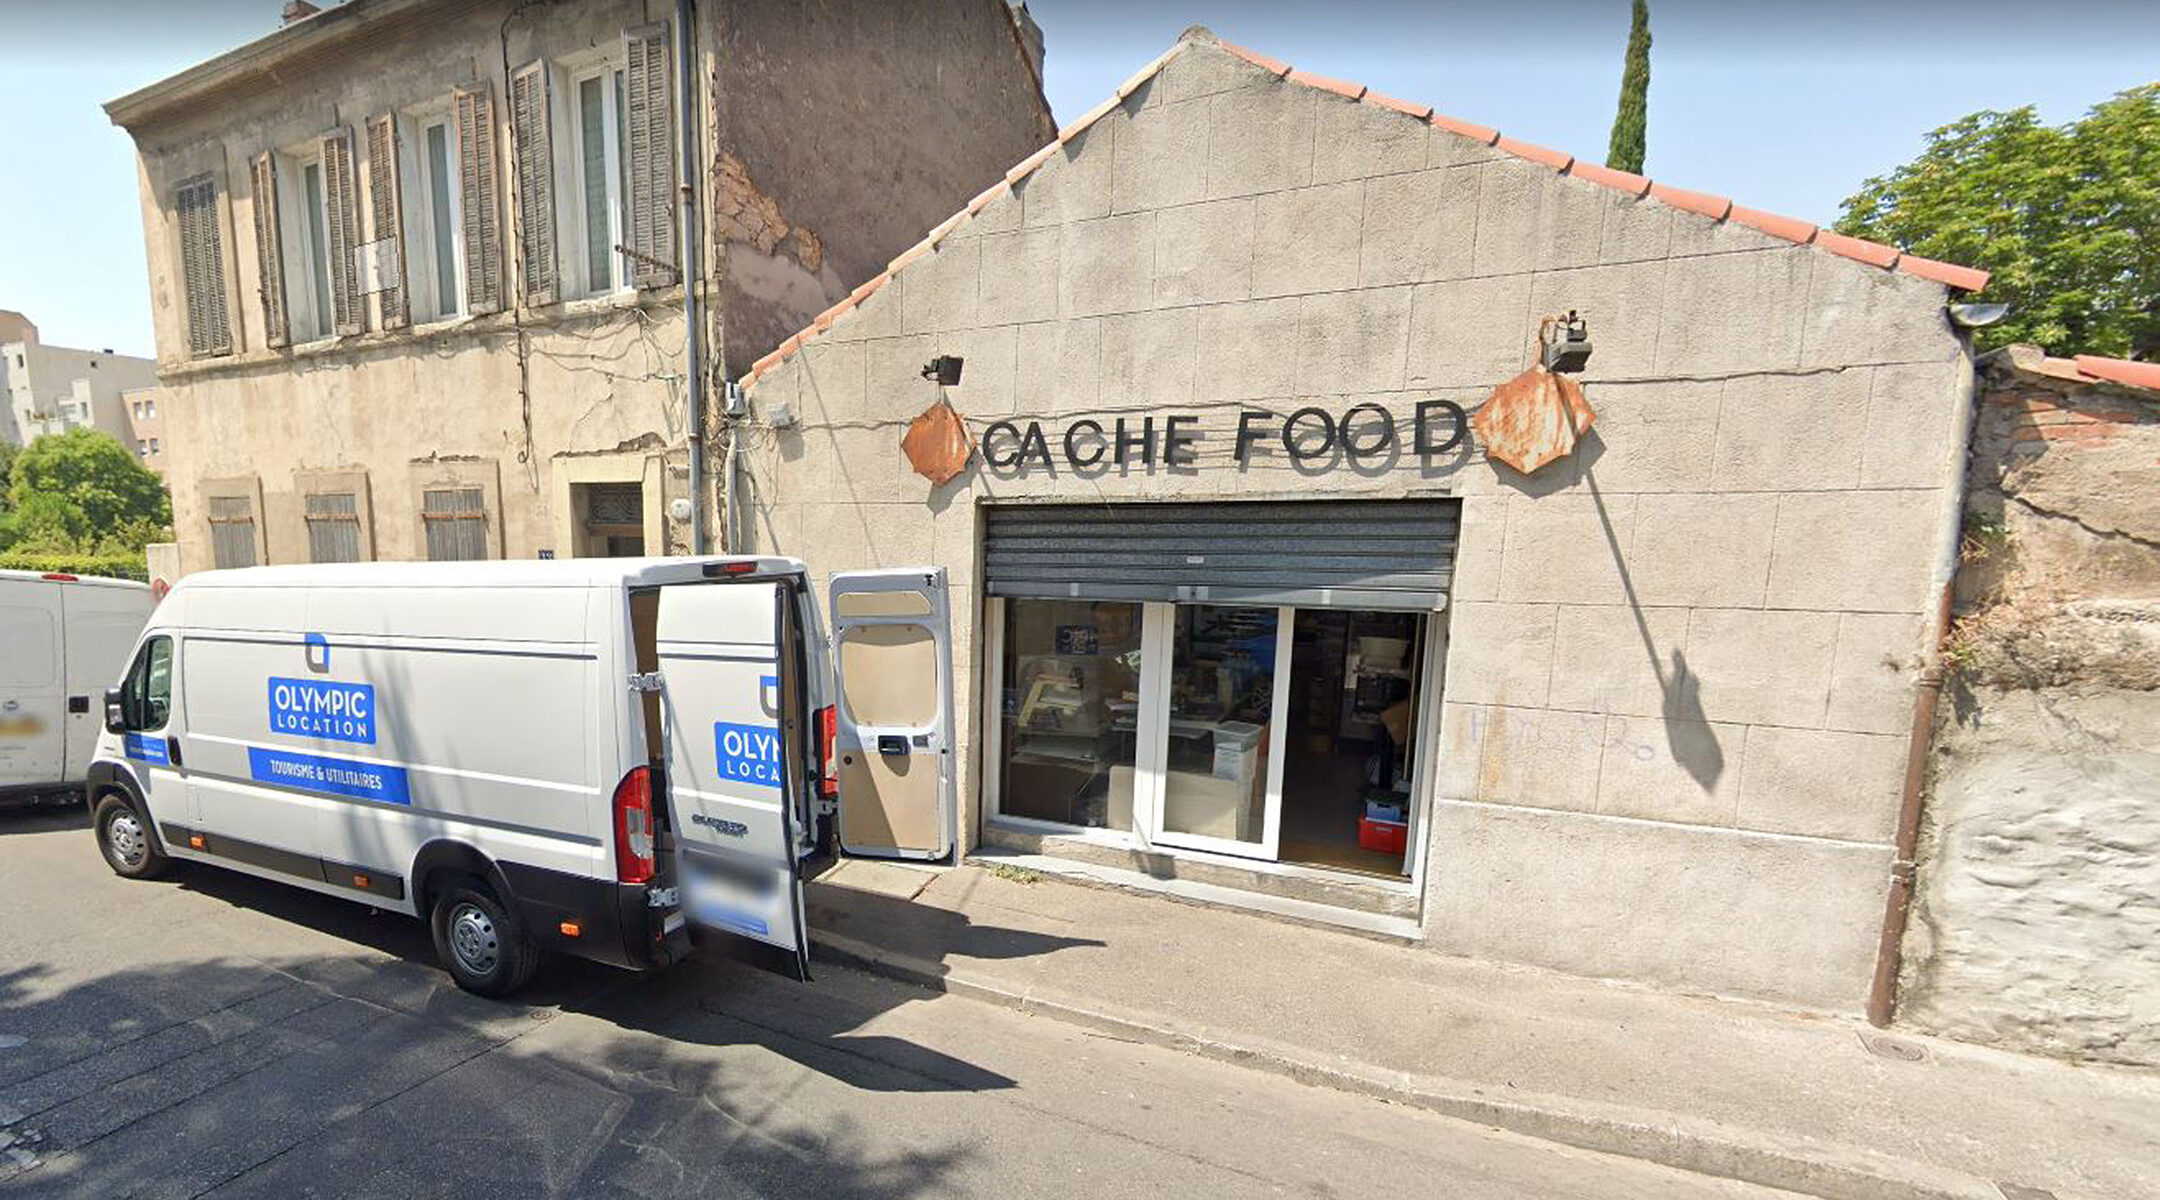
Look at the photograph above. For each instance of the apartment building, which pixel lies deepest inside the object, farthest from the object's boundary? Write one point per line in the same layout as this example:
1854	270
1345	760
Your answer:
52	389
441	279
145	427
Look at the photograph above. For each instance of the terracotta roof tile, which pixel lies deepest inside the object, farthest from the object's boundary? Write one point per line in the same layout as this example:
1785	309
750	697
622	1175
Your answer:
1478	133
1792	229
1713	207
1356	91
1875	254
988	194
1535	153
1031	162
1717	208
1620	181
1276	65
1968	278
1087	119
1420	111
2119	370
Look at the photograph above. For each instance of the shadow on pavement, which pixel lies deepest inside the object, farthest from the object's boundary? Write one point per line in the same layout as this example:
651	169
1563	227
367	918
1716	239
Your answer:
368	1073
19	816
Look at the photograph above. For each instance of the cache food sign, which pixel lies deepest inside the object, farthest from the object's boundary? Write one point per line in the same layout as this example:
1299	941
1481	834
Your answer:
1361	432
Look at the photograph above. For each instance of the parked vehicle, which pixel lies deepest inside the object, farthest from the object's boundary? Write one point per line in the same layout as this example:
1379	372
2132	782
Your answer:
63	640
590	755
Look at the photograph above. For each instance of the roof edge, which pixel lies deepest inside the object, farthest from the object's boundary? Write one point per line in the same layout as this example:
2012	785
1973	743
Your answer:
1717	208
266	53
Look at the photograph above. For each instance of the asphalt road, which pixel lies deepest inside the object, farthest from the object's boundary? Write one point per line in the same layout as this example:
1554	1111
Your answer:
213	1034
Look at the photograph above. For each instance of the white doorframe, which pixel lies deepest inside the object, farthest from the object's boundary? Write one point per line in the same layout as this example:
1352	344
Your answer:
1155	656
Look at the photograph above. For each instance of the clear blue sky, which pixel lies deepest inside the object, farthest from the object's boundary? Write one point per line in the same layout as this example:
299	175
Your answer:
1783	106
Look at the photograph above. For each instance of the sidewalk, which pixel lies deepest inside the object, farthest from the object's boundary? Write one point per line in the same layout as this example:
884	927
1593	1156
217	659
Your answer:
1721	1087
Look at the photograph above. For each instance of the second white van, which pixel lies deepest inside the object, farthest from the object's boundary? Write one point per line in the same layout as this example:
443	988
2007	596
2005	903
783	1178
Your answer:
63	640
590	755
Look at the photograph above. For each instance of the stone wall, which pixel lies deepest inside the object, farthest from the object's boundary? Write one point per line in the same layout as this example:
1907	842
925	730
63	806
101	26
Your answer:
846	129
1680	670
2037	920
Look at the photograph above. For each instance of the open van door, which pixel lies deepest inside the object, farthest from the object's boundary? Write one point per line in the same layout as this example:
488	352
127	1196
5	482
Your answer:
893	724
732	664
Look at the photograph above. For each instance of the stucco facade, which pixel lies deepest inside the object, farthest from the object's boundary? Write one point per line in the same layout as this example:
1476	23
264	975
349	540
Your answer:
567	394
1677	684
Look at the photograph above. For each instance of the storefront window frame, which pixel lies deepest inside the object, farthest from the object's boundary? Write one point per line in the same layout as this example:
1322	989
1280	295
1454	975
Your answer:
1424	783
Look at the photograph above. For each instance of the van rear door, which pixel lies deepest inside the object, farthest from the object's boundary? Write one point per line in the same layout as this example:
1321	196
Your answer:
893	723
734	714
32	729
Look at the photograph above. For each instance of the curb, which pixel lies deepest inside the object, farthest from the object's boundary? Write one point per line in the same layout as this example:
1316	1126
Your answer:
1828	1170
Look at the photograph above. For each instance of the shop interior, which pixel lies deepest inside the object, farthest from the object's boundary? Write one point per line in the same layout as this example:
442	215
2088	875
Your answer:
1072	682
1348	760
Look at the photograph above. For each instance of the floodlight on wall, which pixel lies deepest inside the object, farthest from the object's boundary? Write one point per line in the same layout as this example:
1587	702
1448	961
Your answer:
1977	316
1564	343
945	369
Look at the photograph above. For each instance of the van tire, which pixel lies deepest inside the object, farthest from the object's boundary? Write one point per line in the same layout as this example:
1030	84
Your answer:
481	942
124	838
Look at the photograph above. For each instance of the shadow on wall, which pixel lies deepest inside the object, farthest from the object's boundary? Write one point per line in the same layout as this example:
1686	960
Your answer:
1689	736
370	1068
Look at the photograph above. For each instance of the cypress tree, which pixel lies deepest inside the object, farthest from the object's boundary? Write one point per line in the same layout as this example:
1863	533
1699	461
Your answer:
1626	151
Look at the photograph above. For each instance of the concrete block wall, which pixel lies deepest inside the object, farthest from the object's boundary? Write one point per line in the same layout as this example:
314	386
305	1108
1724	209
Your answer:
1680	663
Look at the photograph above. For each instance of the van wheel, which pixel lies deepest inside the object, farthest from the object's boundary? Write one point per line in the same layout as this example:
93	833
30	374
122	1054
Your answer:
123	836
482	943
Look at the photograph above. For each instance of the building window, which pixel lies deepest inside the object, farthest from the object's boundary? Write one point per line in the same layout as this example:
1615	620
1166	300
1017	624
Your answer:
456	522
317	221
597	132
232	531
435	252
1071	699
154	446
333	527
614	519
150	408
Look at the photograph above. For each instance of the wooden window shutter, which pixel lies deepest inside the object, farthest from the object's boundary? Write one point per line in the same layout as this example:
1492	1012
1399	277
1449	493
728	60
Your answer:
535	159
270	252
478	192
386	206
202	267
343	212
649	156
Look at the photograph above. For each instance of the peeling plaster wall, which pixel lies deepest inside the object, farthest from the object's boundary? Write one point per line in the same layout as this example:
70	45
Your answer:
1680	665
846	130
2036	924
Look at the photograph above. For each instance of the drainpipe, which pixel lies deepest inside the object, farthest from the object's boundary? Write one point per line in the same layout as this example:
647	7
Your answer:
1882	992
693	268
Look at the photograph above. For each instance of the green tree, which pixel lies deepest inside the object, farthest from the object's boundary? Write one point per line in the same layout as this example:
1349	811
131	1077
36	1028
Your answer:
1631	122
2066	219
92	474
8	452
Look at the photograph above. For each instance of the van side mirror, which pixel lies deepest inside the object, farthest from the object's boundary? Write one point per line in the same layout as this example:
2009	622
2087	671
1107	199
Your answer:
115	712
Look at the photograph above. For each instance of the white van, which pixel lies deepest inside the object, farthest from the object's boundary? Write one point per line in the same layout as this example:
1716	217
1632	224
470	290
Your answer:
63	640
586	755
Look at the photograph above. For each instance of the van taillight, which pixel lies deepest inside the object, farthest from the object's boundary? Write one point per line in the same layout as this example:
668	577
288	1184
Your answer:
634	827
828	728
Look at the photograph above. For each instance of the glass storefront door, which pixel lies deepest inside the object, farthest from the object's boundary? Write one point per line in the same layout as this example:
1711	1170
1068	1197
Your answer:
1220	674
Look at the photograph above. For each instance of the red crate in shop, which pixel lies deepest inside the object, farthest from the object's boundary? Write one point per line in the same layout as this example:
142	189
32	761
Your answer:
1388	837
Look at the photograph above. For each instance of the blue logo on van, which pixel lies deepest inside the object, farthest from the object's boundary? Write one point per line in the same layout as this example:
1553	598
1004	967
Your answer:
316	708
748	753
329	776
146	749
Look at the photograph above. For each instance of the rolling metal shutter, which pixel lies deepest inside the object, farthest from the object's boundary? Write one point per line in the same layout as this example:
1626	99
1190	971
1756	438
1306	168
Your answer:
1377	554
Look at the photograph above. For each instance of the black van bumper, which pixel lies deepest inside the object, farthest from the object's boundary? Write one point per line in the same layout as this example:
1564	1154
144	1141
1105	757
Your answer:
616	923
